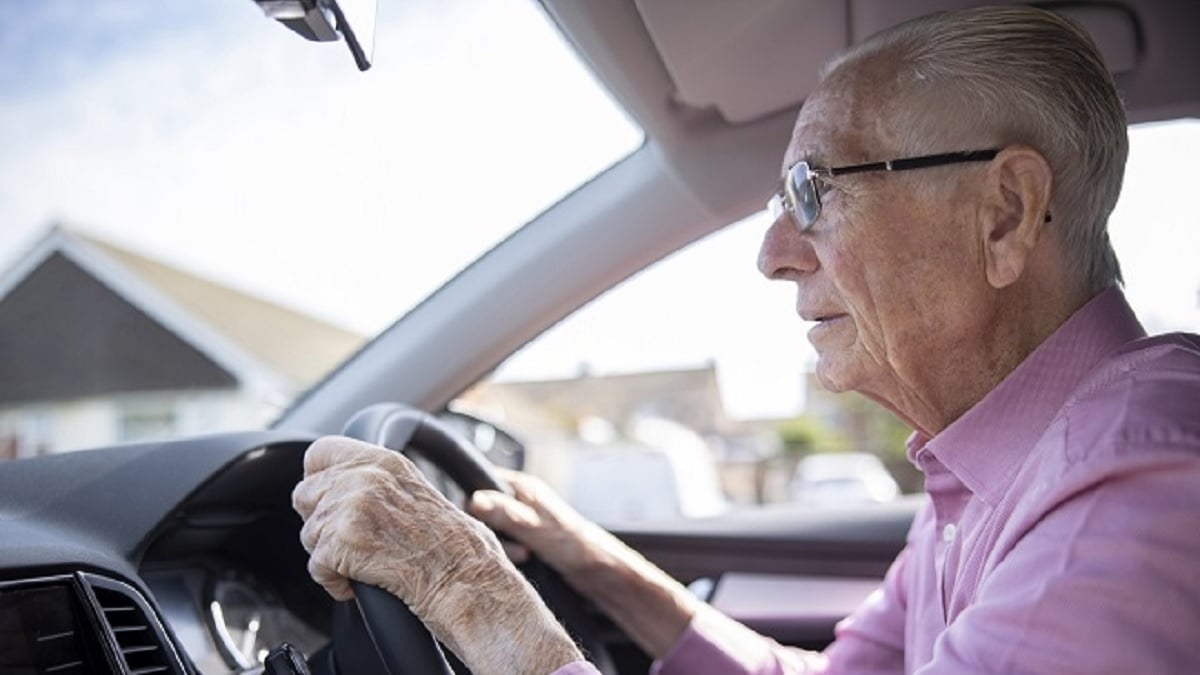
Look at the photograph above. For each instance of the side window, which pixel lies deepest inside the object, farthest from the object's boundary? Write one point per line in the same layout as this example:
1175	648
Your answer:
684	392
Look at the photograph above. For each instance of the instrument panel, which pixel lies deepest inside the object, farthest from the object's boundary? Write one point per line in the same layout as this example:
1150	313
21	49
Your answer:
227	619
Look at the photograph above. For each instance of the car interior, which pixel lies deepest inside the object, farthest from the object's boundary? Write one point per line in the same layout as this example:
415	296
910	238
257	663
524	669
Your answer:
183	556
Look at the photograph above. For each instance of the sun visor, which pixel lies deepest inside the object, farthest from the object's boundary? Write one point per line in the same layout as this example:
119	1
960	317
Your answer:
749	60
745	59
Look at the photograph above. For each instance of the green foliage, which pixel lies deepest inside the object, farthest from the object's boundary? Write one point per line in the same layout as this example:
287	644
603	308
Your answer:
805	435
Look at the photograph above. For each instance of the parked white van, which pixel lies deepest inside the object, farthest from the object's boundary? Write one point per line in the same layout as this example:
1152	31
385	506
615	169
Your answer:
664	472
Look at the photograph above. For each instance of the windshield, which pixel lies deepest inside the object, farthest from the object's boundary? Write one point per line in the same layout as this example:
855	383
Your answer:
203	214
190	182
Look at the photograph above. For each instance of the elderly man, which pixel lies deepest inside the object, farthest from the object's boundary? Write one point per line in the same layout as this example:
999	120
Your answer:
942	213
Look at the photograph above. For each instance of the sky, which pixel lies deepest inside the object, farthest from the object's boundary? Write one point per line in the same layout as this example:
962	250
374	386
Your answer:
225	144
210	137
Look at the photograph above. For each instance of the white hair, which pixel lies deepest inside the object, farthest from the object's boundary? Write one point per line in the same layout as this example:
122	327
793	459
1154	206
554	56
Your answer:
1017	75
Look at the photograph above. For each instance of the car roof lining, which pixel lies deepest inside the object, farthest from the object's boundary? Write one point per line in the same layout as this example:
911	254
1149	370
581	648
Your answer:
749	60
690	69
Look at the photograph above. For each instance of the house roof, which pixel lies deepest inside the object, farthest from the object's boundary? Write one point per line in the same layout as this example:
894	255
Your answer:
295	345
258	344
689	396
65	335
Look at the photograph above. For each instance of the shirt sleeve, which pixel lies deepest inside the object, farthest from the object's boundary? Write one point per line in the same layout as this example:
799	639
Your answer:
869	642
715	644
1105	582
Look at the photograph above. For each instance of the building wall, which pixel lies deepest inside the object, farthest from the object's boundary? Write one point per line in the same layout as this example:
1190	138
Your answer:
63	426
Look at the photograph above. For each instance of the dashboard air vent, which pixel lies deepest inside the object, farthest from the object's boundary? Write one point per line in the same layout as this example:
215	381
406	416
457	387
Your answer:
43	629
134	629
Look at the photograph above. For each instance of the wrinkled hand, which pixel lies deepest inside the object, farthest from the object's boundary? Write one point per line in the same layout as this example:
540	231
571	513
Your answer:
370	516
651	607
545	525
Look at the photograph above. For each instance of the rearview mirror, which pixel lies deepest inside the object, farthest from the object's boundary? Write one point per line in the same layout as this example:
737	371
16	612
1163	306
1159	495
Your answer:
323	20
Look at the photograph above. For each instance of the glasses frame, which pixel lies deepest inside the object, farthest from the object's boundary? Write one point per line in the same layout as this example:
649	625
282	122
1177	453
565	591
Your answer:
800	195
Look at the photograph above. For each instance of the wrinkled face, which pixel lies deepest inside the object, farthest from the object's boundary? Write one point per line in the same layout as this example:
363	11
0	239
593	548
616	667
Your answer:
892	270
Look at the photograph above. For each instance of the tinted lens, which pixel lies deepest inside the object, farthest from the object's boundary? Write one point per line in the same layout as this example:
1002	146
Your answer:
802	193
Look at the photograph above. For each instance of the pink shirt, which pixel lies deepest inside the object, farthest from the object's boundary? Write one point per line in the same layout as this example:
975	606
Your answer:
1061	533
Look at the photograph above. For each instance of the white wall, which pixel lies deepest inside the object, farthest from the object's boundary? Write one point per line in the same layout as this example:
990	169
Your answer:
63	426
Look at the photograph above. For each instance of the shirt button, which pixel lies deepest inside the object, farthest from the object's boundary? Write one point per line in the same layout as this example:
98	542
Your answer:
948	533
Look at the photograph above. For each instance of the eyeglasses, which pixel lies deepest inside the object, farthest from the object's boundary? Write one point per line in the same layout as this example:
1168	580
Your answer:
801	195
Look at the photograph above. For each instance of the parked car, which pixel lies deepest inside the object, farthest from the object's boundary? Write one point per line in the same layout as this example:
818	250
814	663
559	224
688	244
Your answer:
183	555
840	479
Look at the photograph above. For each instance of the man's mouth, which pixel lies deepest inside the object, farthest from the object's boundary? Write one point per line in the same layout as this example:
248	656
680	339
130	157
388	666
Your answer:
821	317
826	322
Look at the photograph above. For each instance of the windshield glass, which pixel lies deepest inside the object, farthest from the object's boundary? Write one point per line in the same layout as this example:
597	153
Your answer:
203	213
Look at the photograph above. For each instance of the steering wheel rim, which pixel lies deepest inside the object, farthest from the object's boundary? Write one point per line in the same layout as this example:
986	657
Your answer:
409	647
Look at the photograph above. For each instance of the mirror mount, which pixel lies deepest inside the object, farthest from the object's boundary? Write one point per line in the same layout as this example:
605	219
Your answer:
325	20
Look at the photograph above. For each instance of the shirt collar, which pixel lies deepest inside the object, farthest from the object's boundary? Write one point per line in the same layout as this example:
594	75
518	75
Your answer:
986	445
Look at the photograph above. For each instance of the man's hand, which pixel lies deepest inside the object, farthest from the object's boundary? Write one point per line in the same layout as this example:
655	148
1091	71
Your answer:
370	515
652	608
544	524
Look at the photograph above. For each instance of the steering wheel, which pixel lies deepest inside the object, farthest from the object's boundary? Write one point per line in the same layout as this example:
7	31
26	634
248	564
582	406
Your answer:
404	645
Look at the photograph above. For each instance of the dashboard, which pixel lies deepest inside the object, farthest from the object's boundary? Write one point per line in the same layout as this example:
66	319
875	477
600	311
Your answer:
227	619
191	546
184	558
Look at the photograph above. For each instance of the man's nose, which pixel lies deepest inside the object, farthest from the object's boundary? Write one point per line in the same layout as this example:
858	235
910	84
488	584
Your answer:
786	253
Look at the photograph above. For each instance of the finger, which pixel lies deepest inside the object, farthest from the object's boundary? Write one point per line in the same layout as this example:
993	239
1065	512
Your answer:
517	553
310	533
336	585
504	513
524	486
540	497
335	481
401	467
329	451
308	492
508	474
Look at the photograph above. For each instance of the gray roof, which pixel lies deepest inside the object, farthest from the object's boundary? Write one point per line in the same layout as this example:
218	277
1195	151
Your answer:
80	316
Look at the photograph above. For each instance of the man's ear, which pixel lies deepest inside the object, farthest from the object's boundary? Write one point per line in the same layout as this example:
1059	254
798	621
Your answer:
1015	211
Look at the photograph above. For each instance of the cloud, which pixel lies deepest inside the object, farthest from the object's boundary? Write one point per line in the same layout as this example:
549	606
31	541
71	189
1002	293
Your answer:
233	148
51	43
